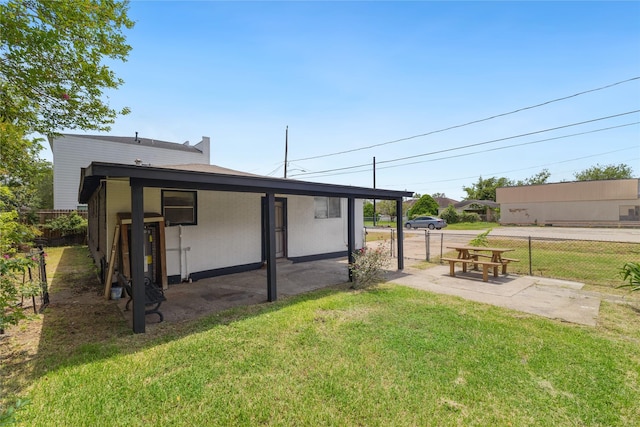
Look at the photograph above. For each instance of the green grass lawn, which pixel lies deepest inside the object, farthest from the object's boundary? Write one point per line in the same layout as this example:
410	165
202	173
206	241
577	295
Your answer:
386	356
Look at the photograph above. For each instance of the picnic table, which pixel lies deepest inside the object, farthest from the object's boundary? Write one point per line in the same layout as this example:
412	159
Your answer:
475	256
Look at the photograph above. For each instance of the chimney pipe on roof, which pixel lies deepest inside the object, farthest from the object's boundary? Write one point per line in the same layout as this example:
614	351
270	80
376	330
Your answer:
137	140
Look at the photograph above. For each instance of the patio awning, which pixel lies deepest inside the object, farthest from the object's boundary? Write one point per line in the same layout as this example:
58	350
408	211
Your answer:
216	178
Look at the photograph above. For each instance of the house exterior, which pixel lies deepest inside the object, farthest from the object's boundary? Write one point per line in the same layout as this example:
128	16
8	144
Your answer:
73	152
444	202
486	209
583	203
220	221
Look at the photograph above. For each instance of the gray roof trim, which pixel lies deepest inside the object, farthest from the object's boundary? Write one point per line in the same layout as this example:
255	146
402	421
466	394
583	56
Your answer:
166	177
465	203
145	142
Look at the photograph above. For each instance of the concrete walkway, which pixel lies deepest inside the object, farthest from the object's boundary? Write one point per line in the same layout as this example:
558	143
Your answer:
555	299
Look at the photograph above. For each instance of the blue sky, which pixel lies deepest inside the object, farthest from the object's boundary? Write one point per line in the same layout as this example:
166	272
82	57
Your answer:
347	75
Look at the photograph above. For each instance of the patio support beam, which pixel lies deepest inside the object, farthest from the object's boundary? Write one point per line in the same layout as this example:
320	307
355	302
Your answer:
137	255
351	231
270	240
400	234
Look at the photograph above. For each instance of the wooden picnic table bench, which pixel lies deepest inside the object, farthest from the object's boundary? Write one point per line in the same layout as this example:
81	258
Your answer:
153	295
472	255
486	265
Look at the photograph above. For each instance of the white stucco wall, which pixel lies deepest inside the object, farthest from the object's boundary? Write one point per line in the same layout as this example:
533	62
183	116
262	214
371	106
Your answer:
562	212
310	236
228	232
581	202
71	153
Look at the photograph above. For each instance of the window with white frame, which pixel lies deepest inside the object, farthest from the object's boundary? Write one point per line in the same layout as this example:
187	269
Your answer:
327	207
180	207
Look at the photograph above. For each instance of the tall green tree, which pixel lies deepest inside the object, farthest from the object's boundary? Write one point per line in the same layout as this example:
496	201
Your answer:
425	205
539	178
367	210
53	74
387	207
485	189
597	172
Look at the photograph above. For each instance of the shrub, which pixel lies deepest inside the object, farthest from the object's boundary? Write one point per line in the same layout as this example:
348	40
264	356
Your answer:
630	272
450	215
425	205
12	270
469	217
68	225
368	266
481	239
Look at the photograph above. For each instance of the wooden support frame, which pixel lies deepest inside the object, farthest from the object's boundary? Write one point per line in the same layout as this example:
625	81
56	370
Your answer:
124	222
112	262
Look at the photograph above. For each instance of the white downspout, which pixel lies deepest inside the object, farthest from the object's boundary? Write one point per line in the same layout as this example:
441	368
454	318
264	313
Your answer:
180	250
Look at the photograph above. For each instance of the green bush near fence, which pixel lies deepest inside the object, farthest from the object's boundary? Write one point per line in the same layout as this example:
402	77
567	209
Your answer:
68	225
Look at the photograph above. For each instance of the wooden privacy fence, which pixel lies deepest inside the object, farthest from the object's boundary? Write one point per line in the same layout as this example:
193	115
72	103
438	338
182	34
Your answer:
55	237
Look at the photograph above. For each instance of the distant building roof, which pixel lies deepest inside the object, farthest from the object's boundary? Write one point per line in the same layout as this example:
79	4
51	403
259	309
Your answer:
196	167
444	202
135	140
465	203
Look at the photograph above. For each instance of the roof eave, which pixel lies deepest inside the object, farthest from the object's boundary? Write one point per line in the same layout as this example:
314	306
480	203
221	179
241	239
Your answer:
164	177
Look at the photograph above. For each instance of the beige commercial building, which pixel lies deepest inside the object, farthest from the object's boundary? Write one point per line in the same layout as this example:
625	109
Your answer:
583	203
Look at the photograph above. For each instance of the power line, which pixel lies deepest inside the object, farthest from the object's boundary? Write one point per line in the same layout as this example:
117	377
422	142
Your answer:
519	169
468	123
484	151
469	145
512	146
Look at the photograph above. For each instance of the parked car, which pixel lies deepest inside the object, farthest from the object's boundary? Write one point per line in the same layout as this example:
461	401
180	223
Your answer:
429	222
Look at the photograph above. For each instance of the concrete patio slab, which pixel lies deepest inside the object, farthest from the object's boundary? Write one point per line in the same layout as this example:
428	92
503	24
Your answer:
550	298
192	300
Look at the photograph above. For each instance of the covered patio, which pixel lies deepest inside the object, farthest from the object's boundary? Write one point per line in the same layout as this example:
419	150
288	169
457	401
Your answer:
140	177
210	295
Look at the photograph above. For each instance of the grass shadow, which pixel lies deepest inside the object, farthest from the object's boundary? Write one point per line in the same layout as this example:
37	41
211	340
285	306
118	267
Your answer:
80	326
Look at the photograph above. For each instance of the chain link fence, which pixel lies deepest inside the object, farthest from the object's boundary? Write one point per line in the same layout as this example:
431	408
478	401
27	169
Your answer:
593	262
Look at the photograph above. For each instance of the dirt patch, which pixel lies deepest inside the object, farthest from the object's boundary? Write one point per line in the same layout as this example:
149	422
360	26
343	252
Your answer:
77	315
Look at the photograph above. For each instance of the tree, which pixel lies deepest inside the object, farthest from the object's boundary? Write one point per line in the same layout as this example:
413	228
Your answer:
450	215
425	205
52	77
439	195
43	185
597	172
539	178
52	71
387	207
367	210
485	189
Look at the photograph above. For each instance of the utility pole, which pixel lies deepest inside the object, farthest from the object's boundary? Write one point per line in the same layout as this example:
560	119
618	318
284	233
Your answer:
374	187
286	149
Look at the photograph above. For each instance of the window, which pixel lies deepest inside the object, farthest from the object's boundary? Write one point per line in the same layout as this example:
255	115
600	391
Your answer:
630	213
180	207
327	207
